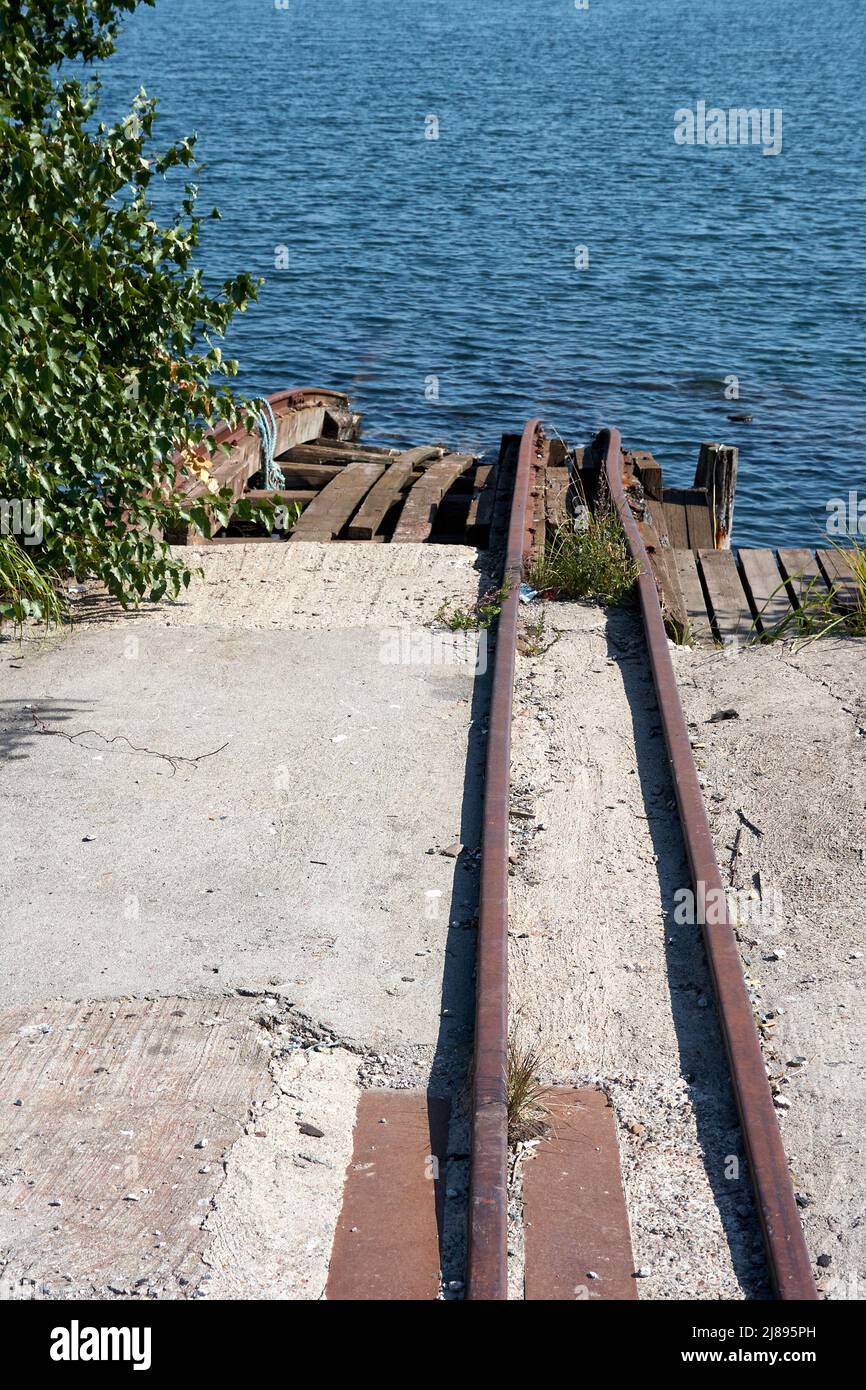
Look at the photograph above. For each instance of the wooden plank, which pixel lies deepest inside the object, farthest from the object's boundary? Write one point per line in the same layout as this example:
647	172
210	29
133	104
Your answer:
424	454
667	580
688	518
480	517
675	518
325	452
578	1244
419	510
699	522
277	495
379	500
338	448
328	513
837	573
764	587
655	516
310	475
298	425
731	613
387	1242
800	568
693	594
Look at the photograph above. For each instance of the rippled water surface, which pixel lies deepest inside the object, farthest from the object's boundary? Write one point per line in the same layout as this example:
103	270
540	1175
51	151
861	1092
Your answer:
413	258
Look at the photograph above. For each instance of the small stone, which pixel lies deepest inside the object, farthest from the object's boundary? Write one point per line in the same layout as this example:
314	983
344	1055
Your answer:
644	1272
803	1199
452	851
591	1274
311	1131
825	1261
781	1102
55	1202
132	1197
87	839
201	1143
637	1129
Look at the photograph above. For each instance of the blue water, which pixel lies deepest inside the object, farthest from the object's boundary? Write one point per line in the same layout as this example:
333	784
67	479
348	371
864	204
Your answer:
412	258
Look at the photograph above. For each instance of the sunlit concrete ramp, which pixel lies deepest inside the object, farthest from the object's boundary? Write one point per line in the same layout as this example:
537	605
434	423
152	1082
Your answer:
246	801
205	807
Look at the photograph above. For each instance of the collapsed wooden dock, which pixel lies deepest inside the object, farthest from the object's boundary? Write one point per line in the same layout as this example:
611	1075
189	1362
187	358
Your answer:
337	488
709	591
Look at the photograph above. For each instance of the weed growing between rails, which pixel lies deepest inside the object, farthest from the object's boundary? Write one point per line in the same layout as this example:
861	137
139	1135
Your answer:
528	1115
593	563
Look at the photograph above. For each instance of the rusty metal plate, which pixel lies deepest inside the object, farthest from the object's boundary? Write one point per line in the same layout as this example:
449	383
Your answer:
574	1212
387	1242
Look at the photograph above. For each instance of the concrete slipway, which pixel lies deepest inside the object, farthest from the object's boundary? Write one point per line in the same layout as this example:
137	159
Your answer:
236	824
239	885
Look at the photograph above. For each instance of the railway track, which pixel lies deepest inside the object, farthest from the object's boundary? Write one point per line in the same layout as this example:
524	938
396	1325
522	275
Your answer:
787	1256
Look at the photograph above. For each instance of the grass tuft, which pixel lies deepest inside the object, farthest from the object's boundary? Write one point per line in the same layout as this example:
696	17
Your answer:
479	615
594	563
528	1116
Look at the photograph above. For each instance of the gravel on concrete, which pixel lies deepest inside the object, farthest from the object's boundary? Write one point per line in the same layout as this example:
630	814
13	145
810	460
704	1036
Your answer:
602	981
785	784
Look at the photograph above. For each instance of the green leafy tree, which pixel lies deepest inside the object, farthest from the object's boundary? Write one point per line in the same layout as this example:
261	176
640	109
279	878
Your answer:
110	364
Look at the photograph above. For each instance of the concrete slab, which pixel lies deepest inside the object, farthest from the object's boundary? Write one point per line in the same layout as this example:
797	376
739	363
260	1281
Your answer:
214	808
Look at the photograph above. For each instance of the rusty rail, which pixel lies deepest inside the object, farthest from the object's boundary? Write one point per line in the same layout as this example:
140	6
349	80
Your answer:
488	1195
787	1256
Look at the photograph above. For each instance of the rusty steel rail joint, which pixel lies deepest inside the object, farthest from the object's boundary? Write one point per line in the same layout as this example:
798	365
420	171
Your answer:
787	1255
488	1183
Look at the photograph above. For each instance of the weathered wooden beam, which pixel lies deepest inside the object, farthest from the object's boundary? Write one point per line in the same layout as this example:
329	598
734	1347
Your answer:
380	499
717	472
328	513
323	453
419	510
732	613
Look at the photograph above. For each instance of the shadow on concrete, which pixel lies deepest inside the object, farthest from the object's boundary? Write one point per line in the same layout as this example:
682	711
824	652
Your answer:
23	721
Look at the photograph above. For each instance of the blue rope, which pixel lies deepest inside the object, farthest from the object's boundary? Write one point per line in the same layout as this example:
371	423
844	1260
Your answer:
273	475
